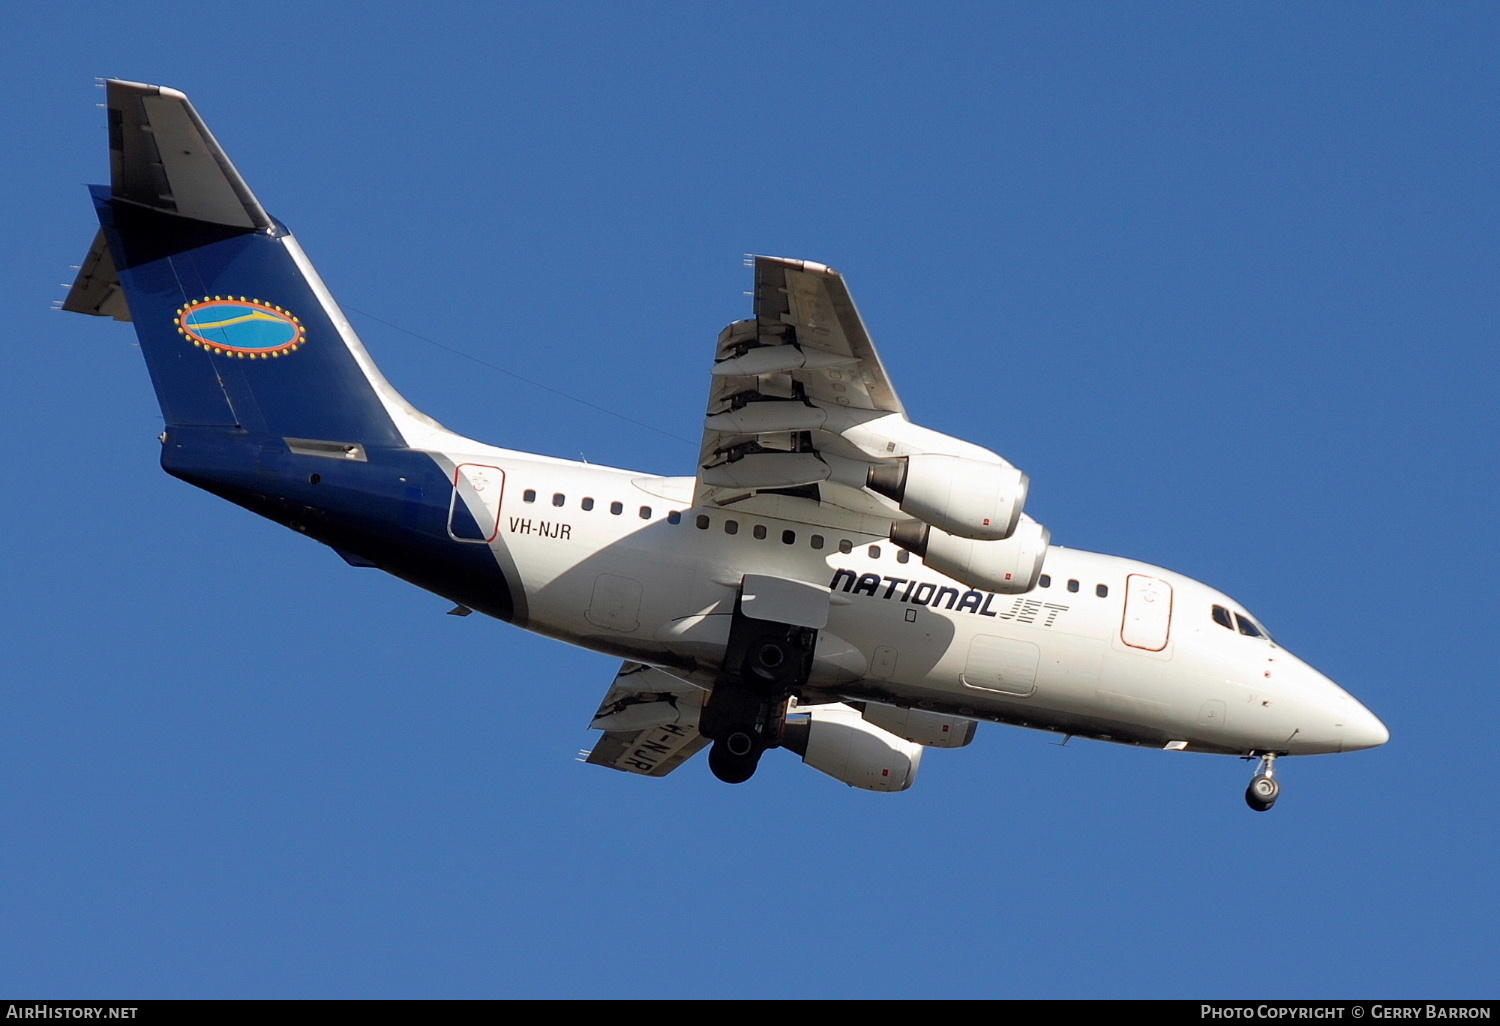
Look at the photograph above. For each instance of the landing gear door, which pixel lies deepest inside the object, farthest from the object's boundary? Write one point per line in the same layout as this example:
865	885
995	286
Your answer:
1148	613
784	601
474	510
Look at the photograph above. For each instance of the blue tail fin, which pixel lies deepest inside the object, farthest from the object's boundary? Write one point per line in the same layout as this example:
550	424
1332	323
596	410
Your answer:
270	399
237	329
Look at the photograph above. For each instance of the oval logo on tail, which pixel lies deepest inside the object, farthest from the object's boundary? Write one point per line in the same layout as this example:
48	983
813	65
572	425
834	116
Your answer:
240	327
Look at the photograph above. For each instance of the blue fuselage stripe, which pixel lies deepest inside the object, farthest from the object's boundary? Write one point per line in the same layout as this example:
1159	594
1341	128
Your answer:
392	510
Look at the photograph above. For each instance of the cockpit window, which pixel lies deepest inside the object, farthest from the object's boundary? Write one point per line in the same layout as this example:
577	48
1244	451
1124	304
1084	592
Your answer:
1242	622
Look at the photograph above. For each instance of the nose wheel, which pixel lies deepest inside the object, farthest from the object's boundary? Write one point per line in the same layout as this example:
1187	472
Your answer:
1264	789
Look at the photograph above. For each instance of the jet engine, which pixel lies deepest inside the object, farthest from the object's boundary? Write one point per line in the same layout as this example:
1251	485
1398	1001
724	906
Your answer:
1009	566
964	497
929	729
836	740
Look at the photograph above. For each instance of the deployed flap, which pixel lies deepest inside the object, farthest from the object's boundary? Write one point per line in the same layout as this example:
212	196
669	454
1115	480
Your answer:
804	425
650	720
164	157
96	291
814	302
786	386
785	601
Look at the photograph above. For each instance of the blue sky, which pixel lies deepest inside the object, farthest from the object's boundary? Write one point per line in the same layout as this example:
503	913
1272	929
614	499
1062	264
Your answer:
1221	278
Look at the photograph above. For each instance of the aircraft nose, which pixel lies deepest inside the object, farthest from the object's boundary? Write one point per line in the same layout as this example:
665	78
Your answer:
1341	722
1364	731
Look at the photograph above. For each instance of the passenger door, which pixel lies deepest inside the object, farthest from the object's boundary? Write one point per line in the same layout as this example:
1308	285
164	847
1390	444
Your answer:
1148	613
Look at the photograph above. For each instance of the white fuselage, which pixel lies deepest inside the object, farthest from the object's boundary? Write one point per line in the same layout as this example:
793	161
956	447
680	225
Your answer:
1105	647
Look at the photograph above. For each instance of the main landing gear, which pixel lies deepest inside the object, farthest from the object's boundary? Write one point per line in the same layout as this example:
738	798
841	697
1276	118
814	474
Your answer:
1263	790
765	662
735	756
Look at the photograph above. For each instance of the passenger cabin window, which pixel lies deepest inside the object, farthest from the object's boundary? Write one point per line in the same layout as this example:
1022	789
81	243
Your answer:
559	498
529	495
1102	590
587	504
674	517
617	508
731	527
645	512
1221	617
816	541
903	556
845	545
1072	585
702	522
1045	581
874	551
760	531
789	537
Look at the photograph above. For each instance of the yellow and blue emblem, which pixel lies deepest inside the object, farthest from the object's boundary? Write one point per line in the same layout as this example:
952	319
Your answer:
240	327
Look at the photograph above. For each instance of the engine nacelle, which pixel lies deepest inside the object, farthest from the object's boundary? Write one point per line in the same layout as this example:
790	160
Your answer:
964	497
929	729
1009	566
836	740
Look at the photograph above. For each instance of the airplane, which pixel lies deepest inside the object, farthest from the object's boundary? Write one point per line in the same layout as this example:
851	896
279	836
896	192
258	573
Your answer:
834	579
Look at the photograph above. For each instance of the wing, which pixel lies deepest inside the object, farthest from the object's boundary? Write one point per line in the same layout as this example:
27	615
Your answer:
801	408
650	722
804	360
805	304
803	425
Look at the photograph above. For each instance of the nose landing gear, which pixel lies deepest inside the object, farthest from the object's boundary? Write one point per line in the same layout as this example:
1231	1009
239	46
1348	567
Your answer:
1264	789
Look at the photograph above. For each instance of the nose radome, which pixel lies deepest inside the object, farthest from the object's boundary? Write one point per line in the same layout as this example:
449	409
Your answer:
1352	726
1364	731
